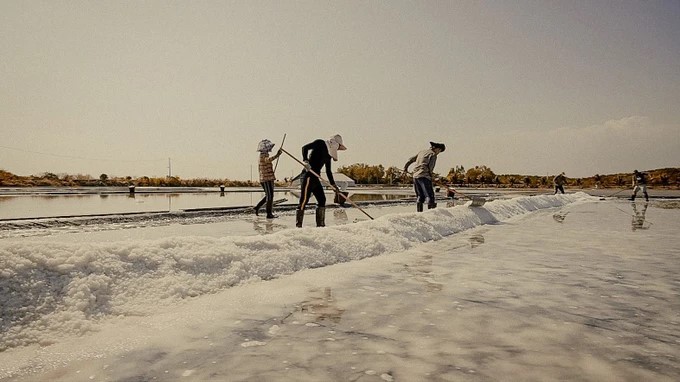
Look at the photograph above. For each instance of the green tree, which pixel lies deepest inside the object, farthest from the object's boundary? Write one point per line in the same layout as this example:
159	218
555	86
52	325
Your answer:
363	173
480	174
456	175
392	175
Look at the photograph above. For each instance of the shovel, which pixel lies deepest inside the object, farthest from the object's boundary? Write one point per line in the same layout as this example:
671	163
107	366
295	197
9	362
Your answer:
616	193
477	201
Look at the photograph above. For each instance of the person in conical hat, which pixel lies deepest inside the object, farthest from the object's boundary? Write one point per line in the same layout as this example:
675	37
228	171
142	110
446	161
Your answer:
317	155
267	177
423	174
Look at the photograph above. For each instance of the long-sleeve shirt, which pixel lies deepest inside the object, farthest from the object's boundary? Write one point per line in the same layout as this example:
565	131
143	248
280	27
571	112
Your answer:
425	162
559	180
639	179
266	168
318	158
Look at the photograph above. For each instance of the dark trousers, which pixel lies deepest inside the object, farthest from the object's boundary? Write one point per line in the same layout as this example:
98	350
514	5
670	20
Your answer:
559	188
424	190
268	187
311	185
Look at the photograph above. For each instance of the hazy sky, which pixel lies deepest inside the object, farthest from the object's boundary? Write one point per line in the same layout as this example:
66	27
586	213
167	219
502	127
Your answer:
528	87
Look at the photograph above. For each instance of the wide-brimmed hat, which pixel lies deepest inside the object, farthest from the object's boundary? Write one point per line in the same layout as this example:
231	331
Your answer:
338	139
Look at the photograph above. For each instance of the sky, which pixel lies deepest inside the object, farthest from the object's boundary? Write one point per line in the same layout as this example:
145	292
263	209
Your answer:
189	88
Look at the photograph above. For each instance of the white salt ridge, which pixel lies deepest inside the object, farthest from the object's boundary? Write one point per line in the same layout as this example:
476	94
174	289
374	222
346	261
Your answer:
56	289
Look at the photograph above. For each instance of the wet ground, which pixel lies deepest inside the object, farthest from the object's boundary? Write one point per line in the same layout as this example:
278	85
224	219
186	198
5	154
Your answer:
589	292
240	220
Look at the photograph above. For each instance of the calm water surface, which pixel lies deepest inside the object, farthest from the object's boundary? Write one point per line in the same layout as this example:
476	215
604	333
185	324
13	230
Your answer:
51	202
37	203
33	206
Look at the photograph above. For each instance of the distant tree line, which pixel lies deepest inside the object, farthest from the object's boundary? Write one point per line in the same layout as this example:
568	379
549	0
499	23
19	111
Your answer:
48	179
363	174
483	176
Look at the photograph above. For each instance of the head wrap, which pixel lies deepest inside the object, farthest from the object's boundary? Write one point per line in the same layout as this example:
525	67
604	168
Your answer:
265	146
334	144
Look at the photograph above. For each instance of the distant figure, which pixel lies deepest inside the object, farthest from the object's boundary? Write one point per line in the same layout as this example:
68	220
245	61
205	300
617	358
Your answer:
423	174
321	154
639	183
559	181
639	217
267	176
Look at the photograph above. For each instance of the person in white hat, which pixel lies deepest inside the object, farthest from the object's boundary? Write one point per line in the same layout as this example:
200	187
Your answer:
267	176
316	155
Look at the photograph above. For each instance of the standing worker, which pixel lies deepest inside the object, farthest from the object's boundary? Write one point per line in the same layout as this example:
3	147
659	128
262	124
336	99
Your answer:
423	174
321	154
559	181
639	183
267	176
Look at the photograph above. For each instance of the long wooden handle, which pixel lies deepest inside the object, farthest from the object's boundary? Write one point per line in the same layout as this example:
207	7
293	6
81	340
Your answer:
328	183
277	159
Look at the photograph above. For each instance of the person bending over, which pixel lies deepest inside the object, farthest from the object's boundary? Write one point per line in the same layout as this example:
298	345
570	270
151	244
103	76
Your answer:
316	155
423	174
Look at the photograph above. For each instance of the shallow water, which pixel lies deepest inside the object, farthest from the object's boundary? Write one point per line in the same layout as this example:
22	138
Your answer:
62	203
34	206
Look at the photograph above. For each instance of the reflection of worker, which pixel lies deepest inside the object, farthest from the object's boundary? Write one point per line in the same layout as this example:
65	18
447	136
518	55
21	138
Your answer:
639	184
639	217
559	182
263	227
340	216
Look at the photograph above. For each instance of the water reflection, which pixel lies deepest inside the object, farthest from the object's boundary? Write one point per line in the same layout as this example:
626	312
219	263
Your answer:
638	221
559	216
374	197
340	216
170	197
266	226
476	240
109	201
323	308
422	272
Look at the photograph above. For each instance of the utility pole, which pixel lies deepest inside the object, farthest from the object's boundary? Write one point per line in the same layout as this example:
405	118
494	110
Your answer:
169	169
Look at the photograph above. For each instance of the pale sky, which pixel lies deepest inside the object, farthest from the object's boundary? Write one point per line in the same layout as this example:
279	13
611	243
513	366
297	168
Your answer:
528	87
